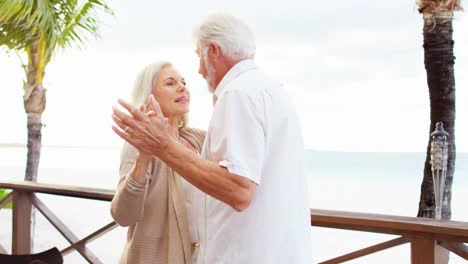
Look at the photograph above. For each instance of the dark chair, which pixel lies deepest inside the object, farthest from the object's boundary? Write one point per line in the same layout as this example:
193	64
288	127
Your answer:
51	256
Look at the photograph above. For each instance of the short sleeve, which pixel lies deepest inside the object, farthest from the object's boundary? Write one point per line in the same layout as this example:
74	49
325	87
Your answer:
237	138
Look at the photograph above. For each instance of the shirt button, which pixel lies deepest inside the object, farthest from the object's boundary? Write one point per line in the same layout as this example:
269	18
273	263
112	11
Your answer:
196	244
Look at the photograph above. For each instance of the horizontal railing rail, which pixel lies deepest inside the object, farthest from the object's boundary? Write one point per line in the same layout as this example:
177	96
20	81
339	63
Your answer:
391	224
63	190
430	239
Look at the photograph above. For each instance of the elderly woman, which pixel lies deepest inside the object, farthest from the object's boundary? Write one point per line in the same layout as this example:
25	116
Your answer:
151	198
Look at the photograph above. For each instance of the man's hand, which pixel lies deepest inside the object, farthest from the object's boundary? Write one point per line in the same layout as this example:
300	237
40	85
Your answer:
147	132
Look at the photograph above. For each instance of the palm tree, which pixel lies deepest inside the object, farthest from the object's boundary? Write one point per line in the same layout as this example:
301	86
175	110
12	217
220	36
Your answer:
39	28
439	62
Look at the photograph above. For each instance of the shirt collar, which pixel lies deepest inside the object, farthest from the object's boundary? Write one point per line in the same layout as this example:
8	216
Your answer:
236	70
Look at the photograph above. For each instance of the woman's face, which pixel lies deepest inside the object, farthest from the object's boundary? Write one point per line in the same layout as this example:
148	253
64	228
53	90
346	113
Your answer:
171	93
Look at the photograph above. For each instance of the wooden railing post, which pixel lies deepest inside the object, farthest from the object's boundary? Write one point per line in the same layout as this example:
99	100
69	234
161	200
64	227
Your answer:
422	251
22	242
426	251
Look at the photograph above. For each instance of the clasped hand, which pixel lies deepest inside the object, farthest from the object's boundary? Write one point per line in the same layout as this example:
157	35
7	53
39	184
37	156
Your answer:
146	131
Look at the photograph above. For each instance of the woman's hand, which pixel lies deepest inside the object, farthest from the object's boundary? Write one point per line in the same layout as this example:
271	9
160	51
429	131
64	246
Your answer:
147	132
142	157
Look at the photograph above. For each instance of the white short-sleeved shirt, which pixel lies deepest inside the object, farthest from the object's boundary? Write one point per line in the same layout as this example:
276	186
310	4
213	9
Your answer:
255	133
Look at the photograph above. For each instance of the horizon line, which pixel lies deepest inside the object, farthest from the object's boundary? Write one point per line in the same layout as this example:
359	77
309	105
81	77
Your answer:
23	145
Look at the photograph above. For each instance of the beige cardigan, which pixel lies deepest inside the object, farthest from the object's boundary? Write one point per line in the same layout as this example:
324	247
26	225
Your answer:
155	212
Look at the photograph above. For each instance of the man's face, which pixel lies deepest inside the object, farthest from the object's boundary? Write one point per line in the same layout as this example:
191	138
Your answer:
206	69
201	66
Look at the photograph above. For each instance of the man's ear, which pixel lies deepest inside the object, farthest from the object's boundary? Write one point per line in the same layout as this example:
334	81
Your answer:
214	50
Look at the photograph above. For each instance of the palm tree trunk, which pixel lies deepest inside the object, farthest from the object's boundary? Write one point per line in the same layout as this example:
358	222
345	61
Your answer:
34	105
439	62
34	146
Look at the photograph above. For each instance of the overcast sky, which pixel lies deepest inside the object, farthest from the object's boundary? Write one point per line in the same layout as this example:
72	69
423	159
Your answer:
354	68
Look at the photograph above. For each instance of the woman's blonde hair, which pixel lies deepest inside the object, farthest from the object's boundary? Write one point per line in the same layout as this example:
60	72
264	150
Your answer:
144	85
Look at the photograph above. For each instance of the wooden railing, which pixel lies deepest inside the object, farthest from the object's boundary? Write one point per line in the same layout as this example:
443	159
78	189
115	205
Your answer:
430	239
24	197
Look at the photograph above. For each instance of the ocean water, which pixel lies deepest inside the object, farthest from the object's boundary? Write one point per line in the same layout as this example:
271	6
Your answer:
383	183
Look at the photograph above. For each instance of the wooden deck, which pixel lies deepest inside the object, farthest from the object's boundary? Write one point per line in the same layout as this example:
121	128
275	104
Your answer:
430	239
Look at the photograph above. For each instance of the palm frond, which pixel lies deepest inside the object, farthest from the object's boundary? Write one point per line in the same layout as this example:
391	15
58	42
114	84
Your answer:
59	22
82	21
12	22
24	21
9	9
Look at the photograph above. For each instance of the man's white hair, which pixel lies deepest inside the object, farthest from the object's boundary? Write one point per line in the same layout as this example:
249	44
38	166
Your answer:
234	36
144	85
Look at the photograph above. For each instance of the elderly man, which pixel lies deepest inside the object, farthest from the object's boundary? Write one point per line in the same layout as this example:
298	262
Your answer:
253	204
